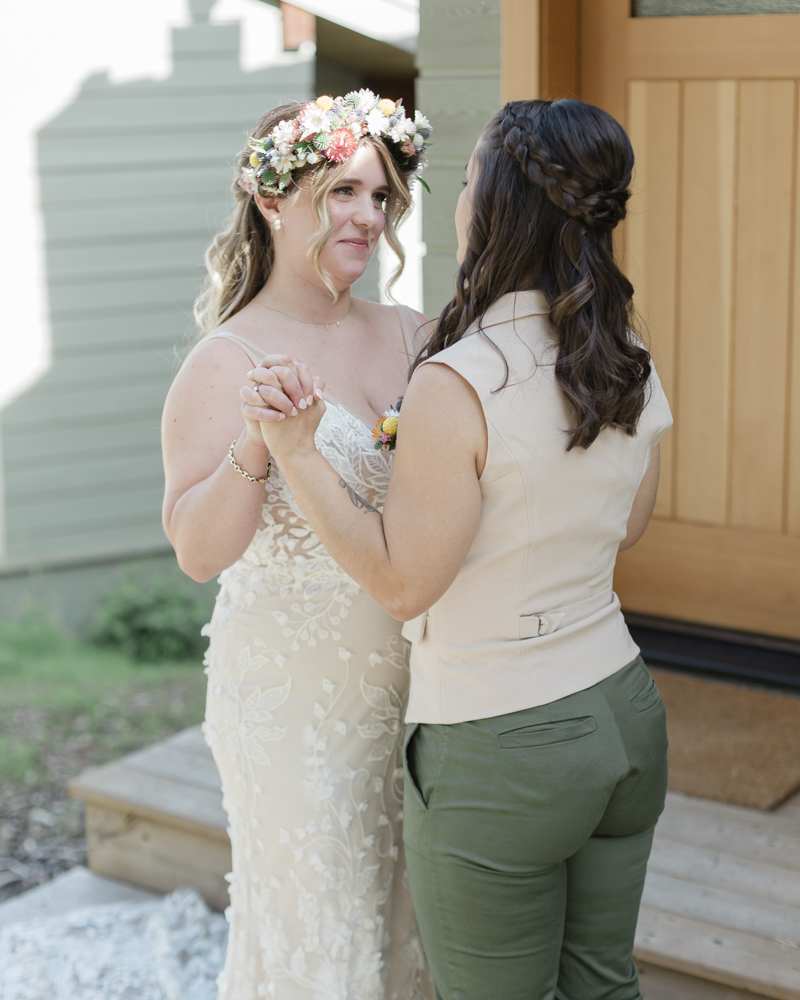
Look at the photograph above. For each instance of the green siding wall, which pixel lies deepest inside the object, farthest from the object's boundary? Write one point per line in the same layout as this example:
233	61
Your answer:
134	183
458	88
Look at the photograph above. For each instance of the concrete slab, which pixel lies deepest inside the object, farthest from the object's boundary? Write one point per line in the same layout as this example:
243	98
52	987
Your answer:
71	891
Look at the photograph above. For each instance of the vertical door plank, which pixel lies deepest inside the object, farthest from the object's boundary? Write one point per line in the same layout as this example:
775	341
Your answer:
651	233
761	307
792	519
704	315
520	50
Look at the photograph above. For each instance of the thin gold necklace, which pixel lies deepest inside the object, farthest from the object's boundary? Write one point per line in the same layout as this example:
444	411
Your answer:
306	322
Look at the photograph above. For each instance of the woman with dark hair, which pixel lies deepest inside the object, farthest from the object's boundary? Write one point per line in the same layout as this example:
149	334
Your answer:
527	457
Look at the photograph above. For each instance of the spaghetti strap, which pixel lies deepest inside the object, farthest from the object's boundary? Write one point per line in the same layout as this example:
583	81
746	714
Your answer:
254	353
409	326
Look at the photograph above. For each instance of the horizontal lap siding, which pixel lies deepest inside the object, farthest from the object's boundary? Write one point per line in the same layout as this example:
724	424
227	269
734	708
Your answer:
134	183
458	89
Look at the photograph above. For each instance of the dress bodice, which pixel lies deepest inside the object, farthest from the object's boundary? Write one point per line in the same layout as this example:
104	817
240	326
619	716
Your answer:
285	556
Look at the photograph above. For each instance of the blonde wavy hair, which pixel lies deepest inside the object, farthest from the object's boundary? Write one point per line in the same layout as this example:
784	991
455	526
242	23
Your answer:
240	258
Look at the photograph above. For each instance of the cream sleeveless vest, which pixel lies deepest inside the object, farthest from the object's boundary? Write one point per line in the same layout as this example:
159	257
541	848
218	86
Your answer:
531	616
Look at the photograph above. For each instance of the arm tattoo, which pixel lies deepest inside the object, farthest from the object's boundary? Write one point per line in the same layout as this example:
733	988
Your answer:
358	502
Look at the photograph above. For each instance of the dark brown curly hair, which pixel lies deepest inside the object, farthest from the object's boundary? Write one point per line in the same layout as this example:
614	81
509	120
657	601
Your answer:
552	183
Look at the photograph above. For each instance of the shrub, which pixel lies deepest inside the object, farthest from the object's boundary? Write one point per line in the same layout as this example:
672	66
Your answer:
151	619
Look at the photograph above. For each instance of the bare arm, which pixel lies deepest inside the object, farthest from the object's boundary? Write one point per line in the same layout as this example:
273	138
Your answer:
210	511
407	557
643	502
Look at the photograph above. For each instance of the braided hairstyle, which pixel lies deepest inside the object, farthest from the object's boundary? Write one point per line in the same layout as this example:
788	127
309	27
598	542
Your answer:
552	183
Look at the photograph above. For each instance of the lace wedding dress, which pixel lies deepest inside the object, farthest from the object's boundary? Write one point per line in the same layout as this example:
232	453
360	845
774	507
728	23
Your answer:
307	684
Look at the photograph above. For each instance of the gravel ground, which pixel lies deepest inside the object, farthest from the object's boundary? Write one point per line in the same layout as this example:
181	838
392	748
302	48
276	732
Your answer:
41	826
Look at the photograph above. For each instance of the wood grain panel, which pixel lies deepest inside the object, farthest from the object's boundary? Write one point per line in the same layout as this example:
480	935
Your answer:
560	48
520	50
761	307
703	369
745	961
792	504
147	852
739	579
710	47
605	56
651	234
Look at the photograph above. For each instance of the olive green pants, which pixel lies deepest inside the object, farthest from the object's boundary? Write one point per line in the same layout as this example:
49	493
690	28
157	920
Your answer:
527	838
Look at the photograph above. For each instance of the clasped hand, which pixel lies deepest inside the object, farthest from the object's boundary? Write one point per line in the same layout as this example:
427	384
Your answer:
283	405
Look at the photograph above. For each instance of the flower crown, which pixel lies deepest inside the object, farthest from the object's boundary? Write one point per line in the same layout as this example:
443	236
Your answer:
331	127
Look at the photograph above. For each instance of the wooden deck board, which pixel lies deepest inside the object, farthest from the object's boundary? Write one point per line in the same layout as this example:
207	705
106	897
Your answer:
174	763
719	870
721	907
175	803
705	950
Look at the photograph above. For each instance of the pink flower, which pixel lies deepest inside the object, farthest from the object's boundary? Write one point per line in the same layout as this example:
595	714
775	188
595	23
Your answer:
409	148
341	146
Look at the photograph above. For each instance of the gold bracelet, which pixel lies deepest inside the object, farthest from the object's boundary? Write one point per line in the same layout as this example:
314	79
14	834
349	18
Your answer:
240	470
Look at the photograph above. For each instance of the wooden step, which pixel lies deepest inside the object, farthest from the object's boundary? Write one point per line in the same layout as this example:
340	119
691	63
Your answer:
722	897
155	818
721	903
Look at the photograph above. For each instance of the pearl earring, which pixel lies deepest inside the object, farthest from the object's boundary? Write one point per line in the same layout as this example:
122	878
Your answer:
276	225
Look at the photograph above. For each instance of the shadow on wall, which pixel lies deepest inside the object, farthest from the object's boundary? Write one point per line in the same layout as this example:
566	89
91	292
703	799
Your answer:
134	182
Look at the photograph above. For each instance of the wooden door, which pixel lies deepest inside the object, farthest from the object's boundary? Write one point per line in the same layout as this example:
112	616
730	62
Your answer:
712	245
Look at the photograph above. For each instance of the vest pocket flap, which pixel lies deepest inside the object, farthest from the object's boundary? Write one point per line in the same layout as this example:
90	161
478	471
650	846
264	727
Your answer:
548	733
415	629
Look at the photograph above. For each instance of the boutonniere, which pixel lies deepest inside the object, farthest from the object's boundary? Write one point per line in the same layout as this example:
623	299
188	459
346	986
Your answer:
384	432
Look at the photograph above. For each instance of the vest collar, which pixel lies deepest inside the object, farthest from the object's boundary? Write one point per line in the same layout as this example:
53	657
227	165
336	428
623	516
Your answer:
515	305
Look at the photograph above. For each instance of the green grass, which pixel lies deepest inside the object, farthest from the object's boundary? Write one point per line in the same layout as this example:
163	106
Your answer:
65	704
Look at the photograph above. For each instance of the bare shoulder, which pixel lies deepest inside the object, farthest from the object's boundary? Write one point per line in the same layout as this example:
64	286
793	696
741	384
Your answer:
382	316
387	318
212	362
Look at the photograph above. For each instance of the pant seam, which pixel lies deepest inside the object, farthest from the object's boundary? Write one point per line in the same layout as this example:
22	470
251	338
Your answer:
628	766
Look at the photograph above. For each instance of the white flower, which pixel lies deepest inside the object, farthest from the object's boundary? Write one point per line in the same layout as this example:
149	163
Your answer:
248	180
283	133
376	122
420	120
314	119
418	141
312	158
407	127
363	99
399	133
283	165
284	149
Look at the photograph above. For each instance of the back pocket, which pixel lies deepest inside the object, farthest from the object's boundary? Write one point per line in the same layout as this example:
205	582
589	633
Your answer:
648	697
548	733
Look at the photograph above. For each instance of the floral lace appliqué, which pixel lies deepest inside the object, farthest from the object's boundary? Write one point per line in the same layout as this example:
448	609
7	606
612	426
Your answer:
286	557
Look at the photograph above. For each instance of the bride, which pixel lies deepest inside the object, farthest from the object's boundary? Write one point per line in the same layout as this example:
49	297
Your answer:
307	679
